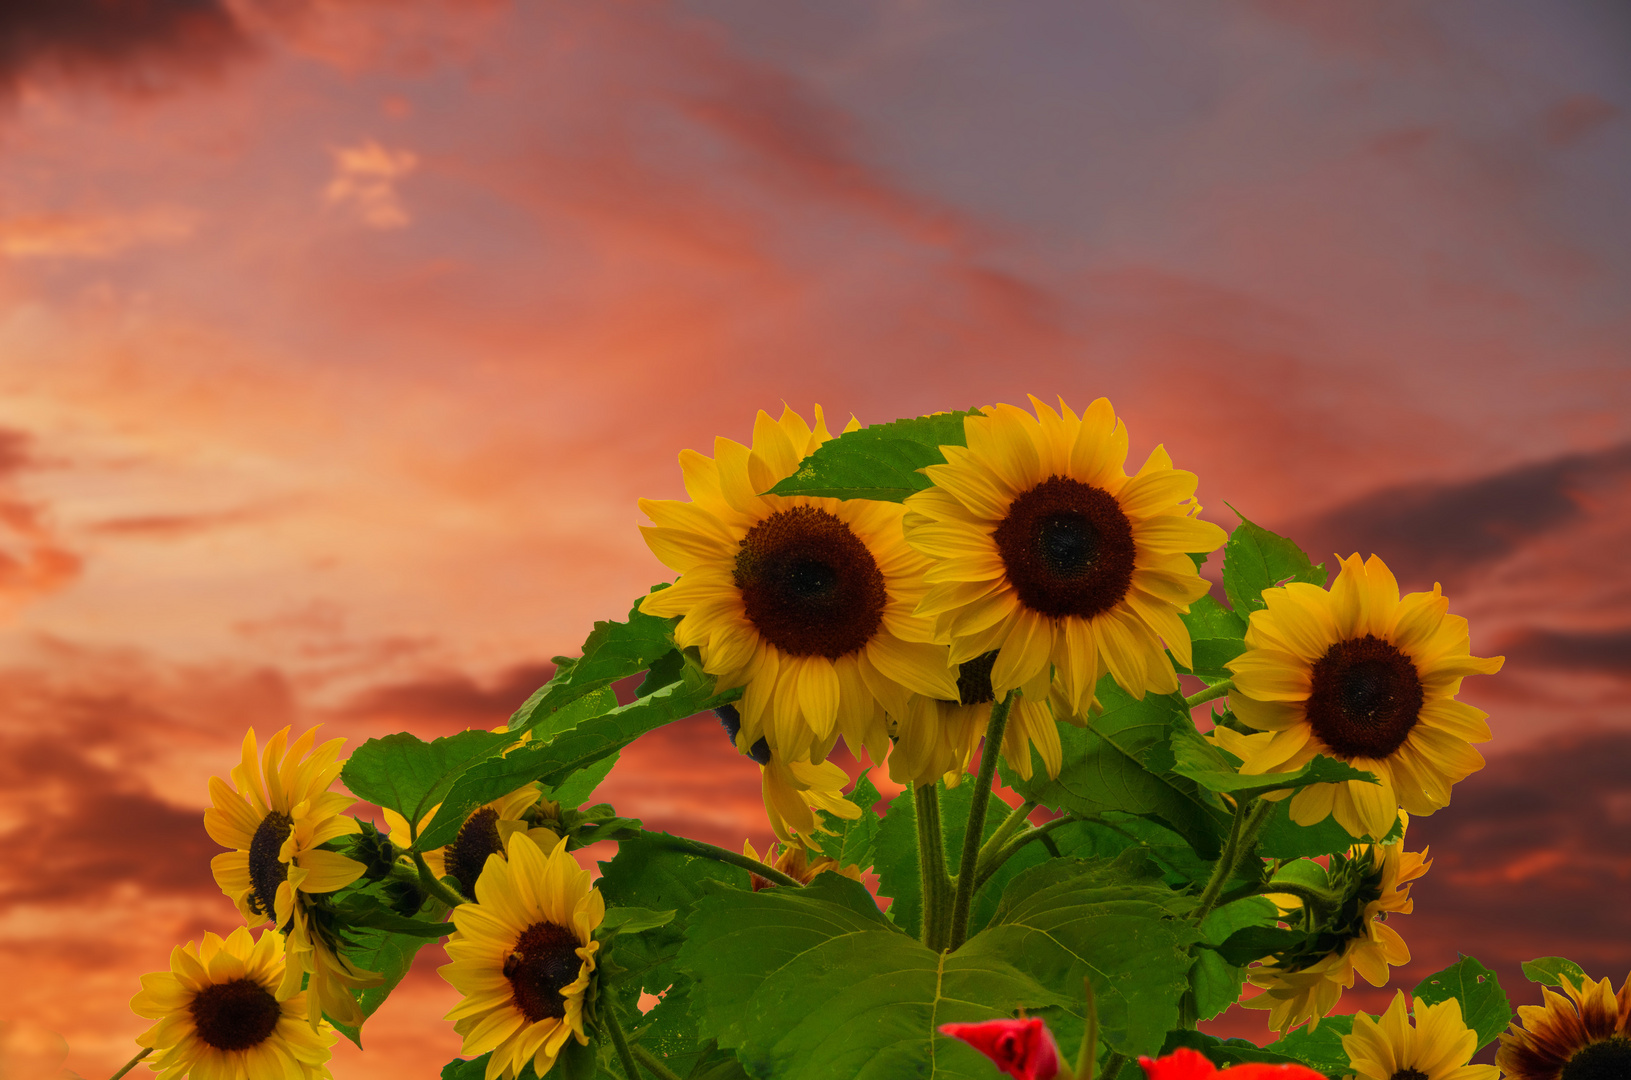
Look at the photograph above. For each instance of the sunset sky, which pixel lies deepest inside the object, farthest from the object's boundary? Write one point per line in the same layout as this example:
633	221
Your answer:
339	337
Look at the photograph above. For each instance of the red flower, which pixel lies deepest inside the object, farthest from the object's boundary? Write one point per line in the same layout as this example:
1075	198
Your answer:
1187	1064
1024	1049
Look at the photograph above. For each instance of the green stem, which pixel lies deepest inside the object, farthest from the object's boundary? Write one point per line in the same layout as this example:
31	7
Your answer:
1087	1056
968	867
131	1064
654	1064
608	1020
1243	832
1216	690
990	866
931	861
434	887
719	854
1016	818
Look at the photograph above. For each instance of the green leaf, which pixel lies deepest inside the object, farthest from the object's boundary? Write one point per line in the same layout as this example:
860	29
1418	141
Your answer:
1217	982
410	776
805	988
1216	770
576	789
466	1068
1484	1007
1255	559
384	953
612	651
1552	970
1121	762
1283	838
878	462
853	843
1216	636
634	920
1108	921
1255	942
1319	1048
552	761
1225	1053
365	909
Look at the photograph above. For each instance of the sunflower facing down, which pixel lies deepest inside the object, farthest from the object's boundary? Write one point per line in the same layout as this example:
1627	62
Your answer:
795	790
1359	674
522	956
1439	1047
1375	880
807	603
486	831
1046	552
219	1014
937	739
797	862
1585	1036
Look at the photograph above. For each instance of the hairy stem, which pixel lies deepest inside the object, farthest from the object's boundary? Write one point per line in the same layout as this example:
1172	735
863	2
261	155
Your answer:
434	887
719	854
991	865
1248	821
1013	822
1216	690
131	1064
654	1064
608	1020
967	868
1312	898
931	861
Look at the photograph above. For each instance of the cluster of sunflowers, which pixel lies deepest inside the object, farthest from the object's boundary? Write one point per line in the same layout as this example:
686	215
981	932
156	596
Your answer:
910	589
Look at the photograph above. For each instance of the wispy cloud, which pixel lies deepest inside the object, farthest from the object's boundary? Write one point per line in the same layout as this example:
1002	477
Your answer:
365	178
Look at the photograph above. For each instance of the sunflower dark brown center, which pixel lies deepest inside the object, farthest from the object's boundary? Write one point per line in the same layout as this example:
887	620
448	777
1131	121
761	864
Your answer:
235	1015
544	959
974	680
1609	1059
1364	697
1068	548
1409	1074
809	584
467	855
266	870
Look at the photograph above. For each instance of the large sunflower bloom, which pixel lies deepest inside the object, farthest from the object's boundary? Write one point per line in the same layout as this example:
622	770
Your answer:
1585	1036
522	955
486	831
219	1014
936	739
1359	674
807	603
1299	989
1047	553
1437	1048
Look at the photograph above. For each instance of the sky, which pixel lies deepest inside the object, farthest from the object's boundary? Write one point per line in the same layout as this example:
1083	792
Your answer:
338	340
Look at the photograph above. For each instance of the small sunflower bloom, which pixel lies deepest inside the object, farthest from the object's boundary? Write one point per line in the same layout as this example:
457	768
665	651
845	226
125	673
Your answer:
219	1014
1362	675
522	956
797	862
1584	1036
1438	1047
807	603
795	790
1047	553
486	831
1302	989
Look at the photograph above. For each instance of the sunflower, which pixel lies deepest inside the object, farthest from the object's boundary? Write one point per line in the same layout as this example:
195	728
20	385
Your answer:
486	831
219	1014
332	977
1046	552
936	739
522	956
798	863
1374	880
1359	674
795	790
807	603
1437	1048
1586	1038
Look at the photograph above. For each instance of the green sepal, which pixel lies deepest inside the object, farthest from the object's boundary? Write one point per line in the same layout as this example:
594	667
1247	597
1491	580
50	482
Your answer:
1484	1005
1255	559
362	909
881	462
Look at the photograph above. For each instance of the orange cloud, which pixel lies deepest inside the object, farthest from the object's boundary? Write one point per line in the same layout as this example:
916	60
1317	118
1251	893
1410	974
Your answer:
365	178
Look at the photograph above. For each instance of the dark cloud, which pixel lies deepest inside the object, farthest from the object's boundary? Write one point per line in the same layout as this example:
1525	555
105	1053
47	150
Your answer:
1577	116
1606	651
134	45
453	700
15	453
171	526
1437	532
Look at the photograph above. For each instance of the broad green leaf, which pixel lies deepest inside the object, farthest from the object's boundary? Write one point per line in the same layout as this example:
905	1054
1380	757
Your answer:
634	920
1319	1048
1112	833
408	775
1217	982
1283	838
1484	1007
1111	922
1216	636
1120	763
385	953
1255	942
1225	1052
804	988
879	462
1216	770
553	760
1255	559
853	843
613	651
365	909
576	789
466	1068
1552	970
716	1064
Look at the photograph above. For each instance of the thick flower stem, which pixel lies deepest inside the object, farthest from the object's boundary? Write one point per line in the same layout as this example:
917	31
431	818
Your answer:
973	835
1248	822
654	1064
931	861
131	1064
991	864
719	854
1014	821
434	887
1216	690
608	1020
